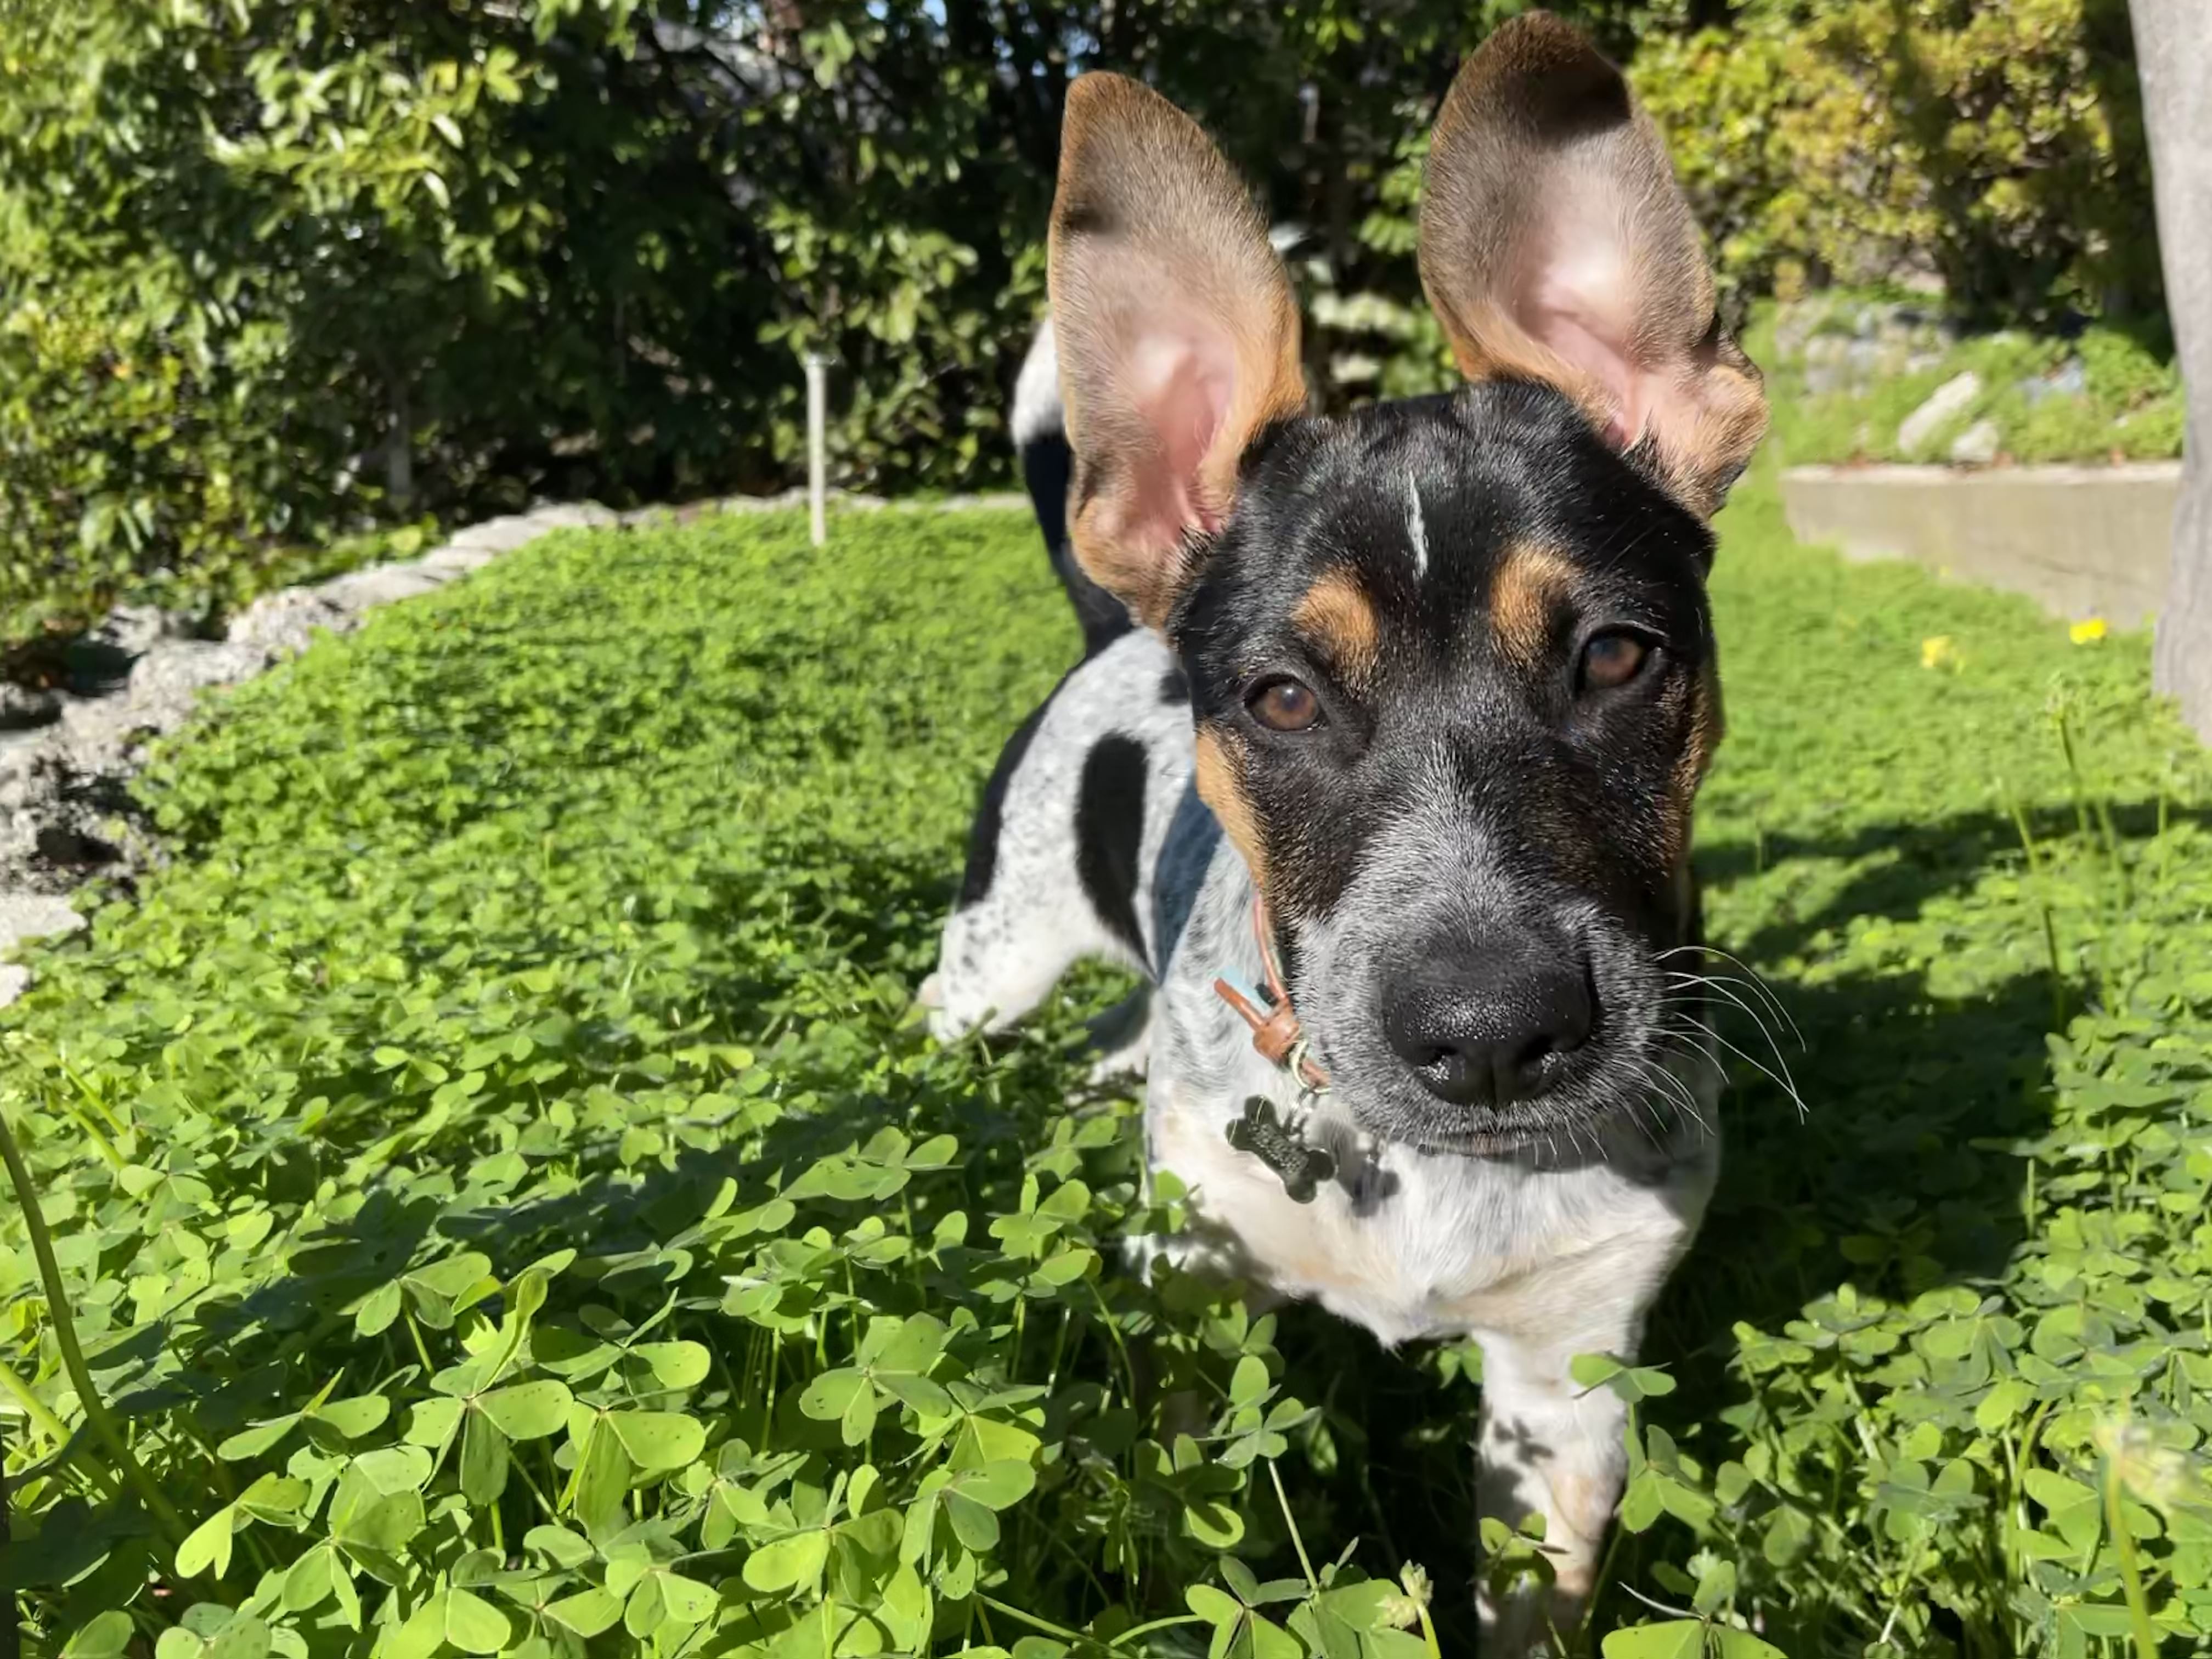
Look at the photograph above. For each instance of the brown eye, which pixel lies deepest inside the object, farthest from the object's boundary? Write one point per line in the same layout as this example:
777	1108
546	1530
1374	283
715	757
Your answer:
1613	659
1285	706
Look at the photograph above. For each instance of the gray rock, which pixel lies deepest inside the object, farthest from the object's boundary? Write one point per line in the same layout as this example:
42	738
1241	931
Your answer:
14	980
363	590
281	624
100	736
452	561
62	816
1947	402
34	915
19	765
1977	445
573	516
2071	380
98	661
995	500
793	497
501	535
133	629
176	670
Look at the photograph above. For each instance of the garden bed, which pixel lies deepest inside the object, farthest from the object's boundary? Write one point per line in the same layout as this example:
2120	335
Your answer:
502	1193
1859	377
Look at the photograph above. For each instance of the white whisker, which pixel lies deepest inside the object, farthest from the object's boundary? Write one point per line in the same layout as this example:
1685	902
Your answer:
1750	1013
1767	999
1784	1081
1757	980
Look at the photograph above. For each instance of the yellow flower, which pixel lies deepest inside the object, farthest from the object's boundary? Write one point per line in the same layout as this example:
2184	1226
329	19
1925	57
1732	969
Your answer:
1936	652
2084	631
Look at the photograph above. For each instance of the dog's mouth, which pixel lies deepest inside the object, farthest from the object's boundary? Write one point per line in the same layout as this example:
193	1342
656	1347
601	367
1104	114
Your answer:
1563	1121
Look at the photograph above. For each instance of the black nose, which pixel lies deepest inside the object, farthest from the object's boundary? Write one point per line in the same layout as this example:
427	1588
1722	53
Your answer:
1488	1024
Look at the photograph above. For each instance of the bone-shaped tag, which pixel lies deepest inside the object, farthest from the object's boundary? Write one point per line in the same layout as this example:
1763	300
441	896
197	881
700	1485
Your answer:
1282	1148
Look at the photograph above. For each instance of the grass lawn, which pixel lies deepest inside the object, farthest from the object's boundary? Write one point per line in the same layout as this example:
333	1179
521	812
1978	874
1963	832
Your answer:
505	1204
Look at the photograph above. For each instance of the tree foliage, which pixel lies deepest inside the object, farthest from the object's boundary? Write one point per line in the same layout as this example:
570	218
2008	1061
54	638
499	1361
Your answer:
1998	149
270	270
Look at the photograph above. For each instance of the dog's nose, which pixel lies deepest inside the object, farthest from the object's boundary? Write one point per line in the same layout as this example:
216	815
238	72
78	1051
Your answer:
1490	1027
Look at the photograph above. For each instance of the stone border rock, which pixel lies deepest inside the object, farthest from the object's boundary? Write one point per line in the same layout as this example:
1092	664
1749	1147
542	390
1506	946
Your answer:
66	756
2080	541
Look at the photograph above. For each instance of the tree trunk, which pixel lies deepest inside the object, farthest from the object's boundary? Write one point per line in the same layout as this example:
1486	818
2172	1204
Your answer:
2173	55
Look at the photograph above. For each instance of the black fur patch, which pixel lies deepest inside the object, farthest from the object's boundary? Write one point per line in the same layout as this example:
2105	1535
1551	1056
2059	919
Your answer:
1109	832
983	835
1174	685
1048	464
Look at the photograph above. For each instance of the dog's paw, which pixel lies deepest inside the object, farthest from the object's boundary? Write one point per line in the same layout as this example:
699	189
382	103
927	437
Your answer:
1122	1037
932	994
1124	1064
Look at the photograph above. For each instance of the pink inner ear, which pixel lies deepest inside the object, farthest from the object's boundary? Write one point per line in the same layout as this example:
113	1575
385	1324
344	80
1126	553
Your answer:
1181	383
1581	306
1589	350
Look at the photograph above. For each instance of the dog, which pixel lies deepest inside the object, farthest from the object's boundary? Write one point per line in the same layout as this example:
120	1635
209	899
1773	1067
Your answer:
1383	779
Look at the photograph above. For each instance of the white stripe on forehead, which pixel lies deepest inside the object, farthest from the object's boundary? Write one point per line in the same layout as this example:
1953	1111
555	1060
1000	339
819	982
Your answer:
1416	528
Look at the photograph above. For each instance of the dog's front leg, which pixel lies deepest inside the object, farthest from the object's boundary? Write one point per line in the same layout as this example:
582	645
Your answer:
1550	1448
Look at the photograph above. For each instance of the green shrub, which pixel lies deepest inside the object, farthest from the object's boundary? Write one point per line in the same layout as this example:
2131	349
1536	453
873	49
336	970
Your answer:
1998	147
501	1191
122	449
271	272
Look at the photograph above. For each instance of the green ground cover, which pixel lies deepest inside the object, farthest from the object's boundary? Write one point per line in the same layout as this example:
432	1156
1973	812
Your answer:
506	1207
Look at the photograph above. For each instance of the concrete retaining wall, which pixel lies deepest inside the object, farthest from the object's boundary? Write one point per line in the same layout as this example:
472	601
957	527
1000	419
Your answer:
2081	541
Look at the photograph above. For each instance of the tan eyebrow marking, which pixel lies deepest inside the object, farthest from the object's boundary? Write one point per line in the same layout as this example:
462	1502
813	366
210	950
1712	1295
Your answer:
1337	616
1530	583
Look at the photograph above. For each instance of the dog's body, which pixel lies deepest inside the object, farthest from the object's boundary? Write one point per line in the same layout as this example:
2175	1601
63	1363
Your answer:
1418	703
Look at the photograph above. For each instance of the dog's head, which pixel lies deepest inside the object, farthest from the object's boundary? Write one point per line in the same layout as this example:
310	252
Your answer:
1450	659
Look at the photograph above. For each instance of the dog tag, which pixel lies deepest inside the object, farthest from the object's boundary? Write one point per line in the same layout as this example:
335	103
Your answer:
1282	1148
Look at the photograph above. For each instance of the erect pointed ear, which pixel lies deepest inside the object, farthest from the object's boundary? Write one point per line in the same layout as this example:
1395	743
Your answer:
1178	335
1556	246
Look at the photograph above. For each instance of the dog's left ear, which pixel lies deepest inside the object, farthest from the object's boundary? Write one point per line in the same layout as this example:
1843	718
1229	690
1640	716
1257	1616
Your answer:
1556	246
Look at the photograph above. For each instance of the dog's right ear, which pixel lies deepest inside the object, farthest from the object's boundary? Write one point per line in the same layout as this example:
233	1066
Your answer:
1178	336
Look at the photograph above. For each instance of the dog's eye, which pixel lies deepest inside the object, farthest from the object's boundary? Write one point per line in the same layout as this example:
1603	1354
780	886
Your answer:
1284	705
1613	659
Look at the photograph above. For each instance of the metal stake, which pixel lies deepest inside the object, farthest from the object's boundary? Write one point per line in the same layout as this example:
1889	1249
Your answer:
817	453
